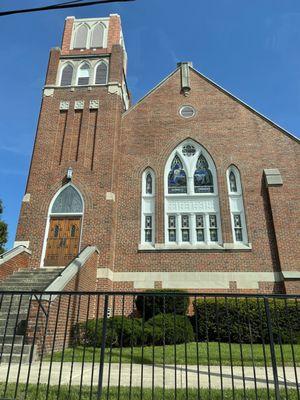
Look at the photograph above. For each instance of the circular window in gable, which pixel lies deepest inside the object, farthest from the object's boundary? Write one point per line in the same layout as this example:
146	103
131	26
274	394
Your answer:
187	111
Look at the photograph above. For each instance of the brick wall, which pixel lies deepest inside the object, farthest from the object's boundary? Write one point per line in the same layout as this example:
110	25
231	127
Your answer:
64	311
20	261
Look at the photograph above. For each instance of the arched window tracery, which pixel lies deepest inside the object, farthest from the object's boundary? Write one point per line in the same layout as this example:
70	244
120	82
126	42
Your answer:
192	215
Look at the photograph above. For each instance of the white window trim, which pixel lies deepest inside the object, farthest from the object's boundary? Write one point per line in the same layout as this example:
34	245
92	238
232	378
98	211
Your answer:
238	195
50	214
148	197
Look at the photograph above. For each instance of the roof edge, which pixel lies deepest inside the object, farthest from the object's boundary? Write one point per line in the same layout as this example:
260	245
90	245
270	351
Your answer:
246	105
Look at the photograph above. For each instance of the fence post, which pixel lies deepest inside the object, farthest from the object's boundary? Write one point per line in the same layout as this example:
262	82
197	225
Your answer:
272	349
101	367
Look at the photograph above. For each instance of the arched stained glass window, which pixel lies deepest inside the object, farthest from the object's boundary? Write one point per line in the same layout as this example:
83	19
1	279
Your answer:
66	76
81	37
84	74
203	179
68	202
101	74
232	182
177	177
97	36
148	184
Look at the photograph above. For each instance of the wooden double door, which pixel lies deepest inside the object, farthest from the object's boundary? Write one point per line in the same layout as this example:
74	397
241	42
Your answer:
63	240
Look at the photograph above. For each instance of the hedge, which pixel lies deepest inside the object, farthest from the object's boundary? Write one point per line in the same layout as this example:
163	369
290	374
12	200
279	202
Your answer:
121	331
245	320
150	305
168	329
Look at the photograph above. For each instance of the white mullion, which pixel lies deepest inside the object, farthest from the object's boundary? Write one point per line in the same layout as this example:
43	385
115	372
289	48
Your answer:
207	228
193	233
178	229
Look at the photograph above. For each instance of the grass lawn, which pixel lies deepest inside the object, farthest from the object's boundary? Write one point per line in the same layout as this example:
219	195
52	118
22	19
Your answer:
158	394
167	355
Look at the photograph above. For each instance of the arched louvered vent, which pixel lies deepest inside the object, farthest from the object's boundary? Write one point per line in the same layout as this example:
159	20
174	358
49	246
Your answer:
81	37
97	36
66	76
101	73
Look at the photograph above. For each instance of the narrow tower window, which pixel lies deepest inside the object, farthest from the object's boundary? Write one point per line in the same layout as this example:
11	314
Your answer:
148	208
66	76
97	36
101	73
81	37
84	74
236	204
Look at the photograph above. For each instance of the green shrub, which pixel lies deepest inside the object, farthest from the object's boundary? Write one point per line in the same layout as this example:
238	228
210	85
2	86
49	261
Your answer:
150	305
121	331
246	320
168	329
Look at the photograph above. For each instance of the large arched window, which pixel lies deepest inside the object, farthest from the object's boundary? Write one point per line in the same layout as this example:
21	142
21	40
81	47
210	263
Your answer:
81	34
101	73
66	75
192	215
68	201
236	204
148	208
97	36
83	77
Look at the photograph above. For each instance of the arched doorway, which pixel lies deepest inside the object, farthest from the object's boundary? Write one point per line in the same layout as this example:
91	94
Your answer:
65	218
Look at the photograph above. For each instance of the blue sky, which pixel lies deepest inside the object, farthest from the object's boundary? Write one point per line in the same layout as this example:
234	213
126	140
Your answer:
251	48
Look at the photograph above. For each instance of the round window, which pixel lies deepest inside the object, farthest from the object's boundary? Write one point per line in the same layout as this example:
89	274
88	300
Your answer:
187	111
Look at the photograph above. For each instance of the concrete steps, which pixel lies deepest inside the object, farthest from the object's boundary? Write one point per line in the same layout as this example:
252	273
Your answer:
14	310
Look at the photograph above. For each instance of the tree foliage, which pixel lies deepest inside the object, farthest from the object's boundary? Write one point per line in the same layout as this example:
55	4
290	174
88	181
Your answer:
3	230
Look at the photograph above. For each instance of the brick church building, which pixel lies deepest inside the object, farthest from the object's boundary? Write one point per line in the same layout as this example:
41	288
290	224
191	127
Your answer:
189	188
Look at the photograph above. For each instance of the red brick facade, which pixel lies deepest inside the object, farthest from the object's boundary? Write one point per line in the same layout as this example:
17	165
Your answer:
109	148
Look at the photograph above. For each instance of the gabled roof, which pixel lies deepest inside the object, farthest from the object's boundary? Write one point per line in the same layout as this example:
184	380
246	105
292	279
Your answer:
222	90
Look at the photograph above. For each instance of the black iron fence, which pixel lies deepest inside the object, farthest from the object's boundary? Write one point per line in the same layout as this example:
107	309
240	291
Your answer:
153	345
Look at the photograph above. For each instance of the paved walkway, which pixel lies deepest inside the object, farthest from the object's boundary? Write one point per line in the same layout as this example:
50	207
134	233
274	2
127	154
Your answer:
185	376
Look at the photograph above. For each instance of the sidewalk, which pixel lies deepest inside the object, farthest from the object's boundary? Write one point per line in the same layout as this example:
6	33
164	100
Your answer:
157	375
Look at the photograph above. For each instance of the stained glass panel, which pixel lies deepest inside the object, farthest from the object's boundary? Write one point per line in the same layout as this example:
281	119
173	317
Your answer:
232	182
149	184
68	201
203	180
177	177
185	235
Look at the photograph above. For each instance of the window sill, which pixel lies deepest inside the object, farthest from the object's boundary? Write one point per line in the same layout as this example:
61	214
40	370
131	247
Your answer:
213	247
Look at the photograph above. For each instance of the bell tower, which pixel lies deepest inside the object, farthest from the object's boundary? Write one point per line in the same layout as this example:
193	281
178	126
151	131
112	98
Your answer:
70	194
